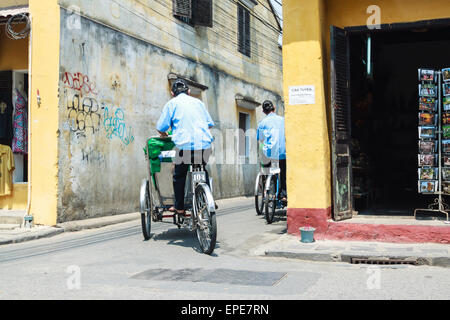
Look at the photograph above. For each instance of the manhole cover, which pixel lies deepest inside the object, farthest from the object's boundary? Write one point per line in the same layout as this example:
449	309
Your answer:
229	276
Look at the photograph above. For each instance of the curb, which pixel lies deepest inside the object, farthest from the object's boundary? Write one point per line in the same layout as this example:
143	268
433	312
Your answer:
29	237
346	257
95	223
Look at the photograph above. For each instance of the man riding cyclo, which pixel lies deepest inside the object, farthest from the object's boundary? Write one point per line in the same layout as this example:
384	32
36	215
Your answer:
190	123
271	132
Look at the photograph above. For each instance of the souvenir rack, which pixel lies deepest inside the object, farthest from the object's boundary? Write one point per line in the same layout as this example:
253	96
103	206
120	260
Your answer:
439	205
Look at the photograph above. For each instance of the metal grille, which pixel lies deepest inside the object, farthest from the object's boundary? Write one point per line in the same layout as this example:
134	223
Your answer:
374	261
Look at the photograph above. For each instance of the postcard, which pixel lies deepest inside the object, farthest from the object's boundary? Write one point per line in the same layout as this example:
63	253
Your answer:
446	89
446	103
446	187
427	147
428	132
446	131
428	173
428	186
446	146
428	104
447	161
446	118
427	160
446	74
426	75
446	174
427	119
427	90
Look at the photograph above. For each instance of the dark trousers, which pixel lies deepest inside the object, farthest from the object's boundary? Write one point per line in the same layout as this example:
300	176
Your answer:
182	161
282	163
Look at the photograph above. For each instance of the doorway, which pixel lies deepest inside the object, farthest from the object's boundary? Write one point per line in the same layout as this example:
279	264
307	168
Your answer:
383	107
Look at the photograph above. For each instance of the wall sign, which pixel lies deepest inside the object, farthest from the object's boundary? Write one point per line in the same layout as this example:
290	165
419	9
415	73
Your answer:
299	95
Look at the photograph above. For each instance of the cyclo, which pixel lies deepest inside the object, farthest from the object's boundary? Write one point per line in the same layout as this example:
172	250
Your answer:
157	196
267	189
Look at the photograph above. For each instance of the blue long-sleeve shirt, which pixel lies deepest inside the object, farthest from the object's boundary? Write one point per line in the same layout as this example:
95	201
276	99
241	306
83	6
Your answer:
272	132
190	123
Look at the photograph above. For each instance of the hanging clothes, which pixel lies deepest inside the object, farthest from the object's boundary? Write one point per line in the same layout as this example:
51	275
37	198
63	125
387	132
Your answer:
20	125
6	170
5	118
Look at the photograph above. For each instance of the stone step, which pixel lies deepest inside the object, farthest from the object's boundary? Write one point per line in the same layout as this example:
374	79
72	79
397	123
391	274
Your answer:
12	216
9	227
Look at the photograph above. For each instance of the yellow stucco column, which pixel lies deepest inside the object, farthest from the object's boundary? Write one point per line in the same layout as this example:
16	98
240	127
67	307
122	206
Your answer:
308	149
43	173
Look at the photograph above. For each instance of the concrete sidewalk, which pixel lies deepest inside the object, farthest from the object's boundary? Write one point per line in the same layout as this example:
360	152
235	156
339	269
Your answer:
377	253
15	233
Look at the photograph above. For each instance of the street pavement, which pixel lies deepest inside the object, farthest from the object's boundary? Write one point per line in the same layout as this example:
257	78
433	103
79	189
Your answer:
250	262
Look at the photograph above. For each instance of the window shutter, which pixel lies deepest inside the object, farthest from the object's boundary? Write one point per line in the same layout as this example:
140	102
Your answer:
341	130
247	32
182	8
243	30
202	13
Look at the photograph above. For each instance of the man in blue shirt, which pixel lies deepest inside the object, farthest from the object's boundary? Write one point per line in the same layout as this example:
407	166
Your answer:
271	132
190	123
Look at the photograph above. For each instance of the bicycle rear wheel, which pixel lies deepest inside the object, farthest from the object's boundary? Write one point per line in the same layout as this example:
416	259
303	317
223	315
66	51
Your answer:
259	196
146	208
206	220
271	200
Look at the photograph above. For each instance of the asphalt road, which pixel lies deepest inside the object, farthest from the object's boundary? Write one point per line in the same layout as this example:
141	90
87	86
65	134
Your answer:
116	263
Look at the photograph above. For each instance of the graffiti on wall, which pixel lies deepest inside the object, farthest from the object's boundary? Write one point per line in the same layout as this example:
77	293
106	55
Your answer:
115	126
80	83
83	113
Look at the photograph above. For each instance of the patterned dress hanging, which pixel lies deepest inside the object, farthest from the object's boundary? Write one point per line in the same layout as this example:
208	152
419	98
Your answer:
20	125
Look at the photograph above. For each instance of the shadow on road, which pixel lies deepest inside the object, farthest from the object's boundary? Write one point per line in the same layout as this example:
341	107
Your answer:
182	238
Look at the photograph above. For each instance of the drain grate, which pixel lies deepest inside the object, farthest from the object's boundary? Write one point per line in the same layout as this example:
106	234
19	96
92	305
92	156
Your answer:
383	261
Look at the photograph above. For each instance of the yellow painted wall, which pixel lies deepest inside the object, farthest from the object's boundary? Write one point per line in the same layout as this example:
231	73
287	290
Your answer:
45	16
12	3
307	143
13	53
17	200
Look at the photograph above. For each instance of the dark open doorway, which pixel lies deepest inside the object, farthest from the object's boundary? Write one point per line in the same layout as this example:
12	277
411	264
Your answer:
384	116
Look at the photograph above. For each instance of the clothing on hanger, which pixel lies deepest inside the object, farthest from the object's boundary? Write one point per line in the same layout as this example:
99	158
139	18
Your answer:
20	125
6	170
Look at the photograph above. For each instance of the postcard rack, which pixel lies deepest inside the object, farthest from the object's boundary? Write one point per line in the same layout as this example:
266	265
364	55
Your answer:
434	138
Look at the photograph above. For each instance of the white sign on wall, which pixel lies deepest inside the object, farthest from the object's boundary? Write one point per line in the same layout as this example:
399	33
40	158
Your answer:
302	95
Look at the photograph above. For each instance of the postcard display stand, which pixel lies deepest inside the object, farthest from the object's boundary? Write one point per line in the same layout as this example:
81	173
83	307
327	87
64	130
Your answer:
434	138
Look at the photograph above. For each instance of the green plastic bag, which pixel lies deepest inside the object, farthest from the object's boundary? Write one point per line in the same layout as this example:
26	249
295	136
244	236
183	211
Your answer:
155	147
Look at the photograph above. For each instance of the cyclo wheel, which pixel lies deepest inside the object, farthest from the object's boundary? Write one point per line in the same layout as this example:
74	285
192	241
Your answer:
206	221
259	196
146	210
271	200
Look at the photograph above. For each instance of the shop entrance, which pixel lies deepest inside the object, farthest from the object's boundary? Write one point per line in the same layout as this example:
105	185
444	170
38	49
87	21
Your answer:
381	115
14	107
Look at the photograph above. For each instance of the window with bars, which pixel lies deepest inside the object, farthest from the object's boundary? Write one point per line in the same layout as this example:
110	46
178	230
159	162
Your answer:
193	12
243	30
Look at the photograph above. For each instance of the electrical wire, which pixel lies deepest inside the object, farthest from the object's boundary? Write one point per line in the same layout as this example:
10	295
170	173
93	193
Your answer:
187	43
232	38
11	33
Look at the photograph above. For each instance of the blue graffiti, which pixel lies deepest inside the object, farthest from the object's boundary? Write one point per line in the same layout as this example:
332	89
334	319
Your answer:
115	126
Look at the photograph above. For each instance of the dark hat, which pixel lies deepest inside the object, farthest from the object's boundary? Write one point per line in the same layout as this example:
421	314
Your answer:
268	106
179	86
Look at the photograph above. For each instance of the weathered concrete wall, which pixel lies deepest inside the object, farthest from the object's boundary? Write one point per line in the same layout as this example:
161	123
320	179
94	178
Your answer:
153	22
112	90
